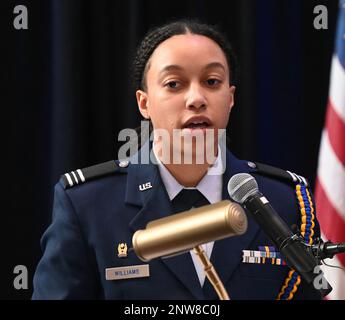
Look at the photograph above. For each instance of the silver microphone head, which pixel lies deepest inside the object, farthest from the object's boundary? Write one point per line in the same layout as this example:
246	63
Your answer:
241	186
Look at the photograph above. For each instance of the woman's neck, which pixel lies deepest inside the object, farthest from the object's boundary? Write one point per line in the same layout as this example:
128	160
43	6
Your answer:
188	175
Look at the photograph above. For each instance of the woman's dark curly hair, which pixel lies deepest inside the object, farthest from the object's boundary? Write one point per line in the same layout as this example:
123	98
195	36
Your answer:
159	34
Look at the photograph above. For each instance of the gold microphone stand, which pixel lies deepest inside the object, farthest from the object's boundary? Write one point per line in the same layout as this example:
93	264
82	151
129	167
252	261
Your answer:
211	273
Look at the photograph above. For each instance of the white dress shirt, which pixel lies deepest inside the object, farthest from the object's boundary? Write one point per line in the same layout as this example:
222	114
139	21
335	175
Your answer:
211	188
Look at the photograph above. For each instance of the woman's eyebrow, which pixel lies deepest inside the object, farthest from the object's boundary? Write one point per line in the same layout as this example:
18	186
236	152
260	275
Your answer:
215	65
171	67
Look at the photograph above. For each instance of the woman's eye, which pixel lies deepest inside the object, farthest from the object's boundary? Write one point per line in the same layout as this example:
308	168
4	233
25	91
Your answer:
172	84
212	82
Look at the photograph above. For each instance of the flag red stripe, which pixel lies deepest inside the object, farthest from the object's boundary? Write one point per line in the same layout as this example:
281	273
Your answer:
332	224
336	132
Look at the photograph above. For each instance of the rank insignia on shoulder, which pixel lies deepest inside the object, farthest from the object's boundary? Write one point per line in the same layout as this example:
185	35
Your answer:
80	176
278	173
75	177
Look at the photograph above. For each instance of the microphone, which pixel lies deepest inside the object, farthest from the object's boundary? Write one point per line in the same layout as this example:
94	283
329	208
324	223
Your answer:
183	231
326	250
243	188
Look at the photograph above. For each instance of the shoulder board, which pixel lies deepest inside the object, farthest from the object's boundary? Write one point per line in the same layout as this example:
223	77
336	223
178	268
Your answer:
80	176
281	174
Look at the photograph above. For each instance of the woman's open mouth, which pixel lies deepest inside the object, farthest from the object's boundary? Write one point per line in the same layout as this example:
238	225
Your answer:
198	122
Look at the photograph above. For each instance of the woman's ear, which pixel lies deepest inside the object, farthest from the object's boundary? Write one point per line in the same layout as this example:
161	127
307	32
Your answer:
142	101
232	90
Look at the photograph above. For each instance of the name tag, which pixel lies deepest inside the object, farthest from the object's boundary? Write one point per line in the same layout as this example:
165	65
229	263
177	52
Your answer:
138	271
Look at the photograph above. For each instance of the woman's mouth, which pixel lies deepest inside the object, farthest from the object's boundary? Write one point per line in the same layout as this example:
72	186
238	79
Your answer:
195	123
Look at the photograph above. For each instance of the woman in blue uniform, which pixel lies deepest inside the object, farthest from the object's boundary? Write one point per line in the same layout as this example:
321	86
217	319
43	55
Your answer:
184	74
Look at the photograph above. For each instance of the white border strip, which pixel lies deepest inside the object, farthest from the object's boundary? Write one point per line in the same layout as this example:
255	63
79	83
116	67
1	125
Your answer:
82	178
75	177
70	182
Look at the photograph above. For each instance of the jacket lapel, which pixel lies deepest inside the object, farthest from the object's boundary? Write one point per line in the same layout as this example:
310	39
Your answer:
227	253
155	204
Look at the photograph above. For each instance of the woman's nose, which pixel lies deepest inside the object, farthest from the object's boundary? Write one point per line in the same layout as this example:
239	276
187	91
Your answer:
195	97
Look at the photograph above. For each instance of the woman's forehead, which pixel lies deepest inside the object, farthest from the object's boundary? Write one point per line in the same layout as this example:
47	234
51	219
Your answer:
181	50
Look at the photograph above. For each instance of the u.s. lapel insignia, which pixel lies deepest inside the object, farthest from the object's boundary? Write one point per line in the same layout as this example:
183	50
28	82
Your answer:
145	186
265	255
122	250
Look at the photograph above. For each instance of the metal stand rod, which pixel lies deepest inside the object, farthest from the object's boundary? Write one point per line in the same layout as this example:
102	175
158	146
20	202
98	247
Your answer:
211	274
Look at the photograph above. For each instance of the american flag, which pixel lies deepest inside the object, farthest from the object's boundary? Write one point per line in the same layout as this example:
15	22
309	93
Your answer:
330	183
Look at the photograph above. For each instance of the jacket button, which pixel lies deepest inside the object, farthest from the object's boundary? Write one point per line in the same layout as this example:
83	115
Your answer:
123	163
251	164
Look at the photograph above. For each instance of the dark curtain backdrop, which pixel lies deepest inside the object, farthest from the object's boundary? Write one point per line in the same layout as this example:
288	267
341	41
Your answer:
66	95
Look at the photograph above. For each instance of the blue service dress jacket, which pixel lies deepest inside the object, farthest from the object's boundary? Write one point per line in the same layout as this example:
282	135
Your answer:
93	217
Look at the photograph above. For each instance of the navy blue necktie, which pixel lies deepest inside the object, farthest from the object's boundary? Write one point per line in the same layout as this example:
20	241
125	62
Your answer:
188	198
